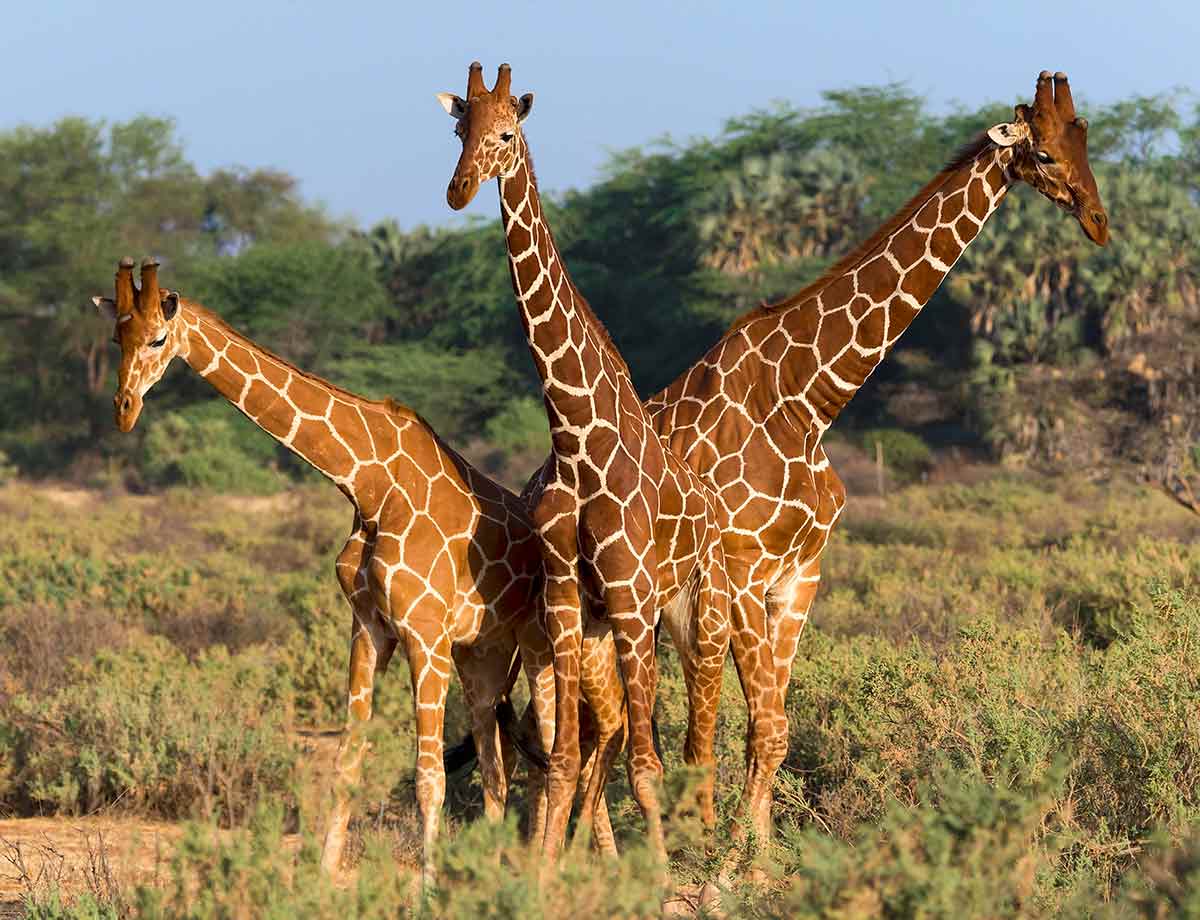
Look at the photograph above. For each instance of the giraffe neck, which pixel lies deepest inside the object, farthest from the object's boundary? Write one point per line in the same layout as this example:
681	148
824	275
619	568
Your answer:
848	321
571	348
324	425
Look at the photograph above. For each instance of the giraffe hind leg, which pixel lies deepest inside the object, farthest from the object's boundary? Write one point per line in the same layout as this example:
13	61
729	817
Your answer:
698	621
606	705
371	647
485	680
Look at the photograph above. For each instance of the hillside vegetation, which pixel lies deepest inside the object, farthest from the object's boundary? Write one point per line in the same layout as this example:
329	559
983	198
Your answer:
994	708
1039	348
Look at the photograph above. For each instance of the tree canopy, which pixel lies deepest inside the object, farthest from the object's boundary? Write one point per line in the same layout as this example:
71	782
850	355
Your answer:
670	246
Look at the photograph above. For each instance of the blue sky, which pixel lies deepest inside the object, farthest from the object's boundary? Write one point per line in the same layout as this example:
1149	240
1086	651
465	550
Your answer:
342	95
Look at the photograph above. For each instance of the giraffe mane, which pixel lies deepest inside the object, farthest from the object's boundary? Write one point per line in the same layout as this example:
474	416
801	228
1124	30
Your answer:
602	332
595	323
387	404
860	253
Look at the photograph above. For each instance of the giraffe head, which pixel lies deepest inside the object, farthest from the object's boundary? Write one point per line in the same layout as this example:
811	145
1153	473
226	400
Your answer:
1050	153
489	125
145	330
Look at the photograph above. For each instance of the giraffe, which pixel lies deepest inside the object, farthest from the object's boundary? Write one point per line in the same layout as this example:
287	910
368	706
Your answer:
441	560
626	529
749	416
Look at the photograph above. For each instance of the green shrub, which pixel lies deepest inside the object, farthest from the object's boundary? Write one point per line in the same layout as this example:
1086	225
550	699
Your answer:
969	847
210	446
904	453
874	720
1168	883
1008	668
521	425
146	727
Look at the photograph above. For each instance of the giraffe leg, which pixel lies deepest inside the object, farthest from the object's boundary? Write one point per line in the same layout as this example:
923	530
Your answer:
485	681
563	622
606	701
766	728
429	667
371	647
700	630
370	650
787	613
632	621
539	672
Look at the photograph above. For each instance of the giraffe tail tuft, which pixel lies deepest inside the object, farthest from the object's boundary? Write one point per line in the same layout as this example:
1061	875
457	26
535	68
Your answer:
522	735
460	755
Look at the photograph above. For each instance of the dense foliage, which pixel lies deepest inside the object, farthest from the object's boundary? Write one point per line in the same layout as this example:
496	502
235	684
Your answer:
993	712
670	246
994	709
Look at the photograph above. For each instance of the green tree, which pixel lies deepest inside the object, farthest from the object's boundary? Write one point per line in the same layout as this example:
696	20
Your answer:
74	197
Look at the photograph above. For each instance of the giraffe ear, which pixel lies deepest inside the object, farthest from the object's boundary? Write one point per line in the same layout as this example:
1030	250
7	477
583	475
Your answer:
453	105
107	307
1009	133
170	305
524	107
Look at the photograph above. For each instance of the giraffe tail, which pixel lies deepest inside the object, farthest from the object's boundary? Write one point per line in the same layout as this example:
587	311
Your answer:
460	755
517	731
524	739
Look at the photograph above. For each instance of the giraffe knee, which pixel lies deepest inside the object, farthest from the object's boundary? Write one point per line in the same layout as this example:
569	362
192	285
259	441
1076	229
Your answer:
771	746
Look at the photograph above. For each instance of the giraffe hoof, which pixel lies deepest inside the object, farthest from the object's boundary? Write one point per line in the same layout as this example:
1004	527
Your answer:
684	903
710	899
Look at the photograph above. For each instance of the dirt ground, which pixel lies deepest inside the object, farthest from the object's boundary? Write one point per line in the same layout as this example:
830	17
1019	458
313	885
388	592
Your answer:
101	853
79	855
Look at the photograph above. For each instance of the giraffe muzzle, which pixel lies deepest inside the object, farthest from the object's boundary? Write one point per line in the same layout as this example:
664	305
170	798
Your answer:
1094	222
128	406
461	190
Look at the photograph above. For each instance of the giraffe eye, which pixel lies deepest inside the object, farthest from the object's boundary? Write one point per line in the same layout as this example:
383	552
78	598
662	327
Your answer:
1044	157
160	341
506	136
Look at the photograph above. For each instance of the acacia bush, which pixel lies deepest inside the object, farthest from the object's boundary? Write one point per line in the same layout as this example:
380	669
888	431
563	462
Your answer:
1002	676
210	446
146	727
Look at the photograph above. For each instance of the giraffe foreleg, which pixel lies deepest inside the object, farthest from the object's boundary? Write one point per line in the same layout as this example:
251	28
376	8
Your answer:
700	627
788	608
631	615
606	701
429	667
484	675
370	649
766	723
563	625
